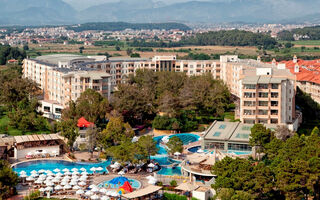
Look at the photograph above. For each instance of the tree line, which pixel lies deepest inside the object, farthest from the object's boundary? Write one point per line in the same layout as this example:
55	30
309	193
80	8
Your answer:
311	33
7	52
231	38
289	168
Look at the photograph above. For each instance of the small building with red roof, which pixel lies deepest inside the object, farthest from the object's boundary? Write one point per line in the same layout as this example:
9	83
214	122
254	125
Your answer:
82	140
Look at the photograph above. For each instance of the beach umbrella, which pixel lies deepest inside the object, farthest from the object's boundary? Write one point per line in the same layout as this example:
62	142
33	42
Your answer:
152	181
48	189
83	178
89	193
103	190
94	197
23	172
64	183
113	166
80	192
67	187
92	186
74	169
56	180
200	151
149	177
114	194
48	171
177	153
105	198
76	187
67	173
56	170
84	173
38	181
82	183
66	177
95	189
151	165
121	173
93	169
43	176
99	169
34	172
49	184
58	187
75	173
72	183
34	175
41	171
49	178
59	174
23	175
42	189
30	178
65	170
83	169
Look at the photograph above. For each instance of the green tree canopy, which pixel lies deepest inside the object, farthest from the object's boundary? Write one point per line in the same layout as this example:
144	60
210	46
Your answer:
8	180
146	147
175	145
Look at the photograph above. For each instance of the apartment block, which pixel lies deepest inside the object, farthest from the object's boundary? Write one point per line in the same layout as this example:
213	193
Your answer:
62	79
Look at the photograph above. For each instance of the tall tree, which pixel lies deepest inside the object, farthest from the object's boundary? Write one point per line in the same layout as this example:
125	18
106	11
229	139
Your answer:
8	180
68	130
175	144
146	147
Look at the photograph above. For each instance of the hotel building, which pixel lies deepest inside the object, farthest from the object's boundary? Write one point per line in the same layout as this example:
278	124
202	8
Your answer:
264	92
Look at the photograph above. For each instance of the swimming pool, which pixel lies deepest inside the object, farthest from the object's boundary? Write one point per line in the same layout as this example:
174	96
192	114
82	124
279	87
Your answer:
196	148
60	164
133	182
170	171
186	138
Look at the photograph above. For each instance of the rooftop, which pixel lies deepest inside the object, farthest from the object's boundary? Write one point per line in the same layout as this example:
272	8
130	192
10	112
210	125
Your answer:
54	59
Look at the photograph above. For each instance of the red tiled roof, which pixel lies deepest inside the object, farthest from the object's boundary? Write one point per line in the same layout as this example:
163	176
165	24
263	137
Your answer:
309	70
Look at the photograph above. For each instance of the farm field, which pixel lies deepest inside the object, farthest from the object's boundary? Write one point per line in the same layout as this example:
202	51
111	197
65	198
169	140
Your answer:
43	49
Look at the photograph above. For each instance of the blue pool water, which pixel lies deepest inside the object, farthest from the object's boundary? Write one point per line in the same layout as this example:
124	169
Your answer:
186	138
196	148
170	171
133	182
60	164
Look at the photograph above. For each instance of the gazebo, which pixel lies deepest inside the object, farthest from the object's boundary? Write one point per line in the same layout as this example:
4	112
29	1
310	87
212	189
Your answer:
82	122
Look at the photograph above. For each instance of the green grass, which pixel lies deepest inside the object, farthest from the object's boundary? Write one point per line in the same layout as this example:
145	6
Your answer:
306	42
4	122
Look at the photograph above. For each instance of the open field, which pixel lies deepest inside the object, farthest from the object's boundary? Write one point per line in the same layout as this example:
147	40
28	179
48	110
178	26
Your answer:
94	50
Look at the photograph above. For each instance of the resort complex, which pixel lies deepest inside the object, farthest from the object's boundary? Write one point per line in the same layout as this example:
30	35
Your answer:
265	93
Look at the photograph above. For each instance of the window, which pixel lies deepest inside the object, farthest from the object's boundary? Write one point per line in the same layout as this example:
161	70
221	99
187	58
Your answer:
96	81
246	128
263	94
242	135
239	147
58	110
274	112
263	103
249	103
222	126
263	112
249	86
263	86
46	109
217	134
274	86
274	103
274	94
249	95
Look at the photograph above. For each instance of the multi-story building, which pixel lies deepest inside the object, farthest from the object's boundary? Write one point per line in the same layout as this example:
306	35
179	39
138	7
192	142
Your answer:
265	92
308	75
62	80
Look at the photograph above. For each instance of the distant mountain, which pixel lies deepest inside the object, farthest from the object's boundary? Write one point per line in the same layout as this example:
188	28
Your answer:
36	12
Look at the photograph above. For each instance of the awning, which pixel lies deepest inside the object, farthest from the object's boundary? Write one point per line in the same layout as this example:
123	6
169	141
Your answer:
143	192
82	122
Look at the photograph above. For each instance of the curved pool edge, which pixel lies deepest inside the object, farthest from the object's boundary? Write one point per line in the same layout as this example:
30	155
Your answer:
40	159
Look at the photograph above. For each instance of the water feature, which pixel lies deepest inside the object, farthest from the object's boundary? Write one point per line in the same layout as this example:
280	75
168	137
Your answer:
60	164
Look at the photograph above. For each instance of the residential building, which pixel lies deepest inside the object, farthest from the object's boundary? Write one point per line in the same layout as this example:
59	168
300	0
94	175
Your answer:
62	79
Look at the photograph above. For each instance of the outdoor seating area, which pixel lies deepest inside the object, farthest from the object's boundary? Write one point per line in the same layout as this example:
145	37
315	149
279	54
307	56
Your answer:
76	183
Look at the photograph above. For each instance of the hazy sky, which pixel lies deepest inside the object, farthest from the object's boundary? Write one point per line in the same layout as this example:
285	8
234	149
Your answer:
82	4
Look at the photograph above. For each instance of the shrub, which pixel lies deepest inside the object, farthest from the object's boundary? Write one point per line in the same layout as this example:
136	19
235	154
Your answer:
173	183
33	195
167	196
